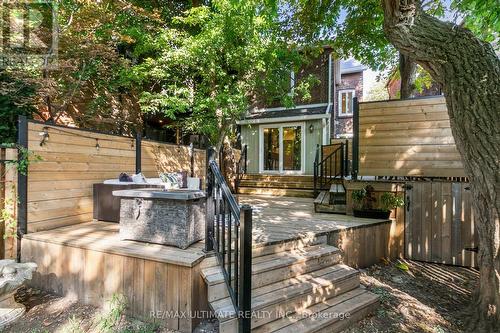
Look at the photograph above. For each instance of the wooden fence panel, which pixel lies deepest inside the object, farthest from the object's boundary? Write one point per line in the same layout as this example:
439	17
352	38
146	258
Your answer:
407	138
160	157
439	223
60	185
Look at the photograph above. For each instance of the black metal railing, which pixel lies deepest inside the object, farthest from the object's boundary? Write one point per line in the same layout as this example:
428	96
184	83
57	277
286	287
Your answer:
229	235
330	168
241	167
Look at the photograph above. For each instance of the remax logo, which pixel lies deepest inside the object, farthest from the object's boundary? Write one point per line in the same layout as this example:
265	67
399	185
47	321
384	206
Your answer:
28	33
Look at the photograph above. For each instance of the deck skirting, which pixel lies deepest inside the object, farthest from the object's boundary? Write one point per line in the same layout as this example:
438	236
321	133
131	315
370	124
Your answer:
171	294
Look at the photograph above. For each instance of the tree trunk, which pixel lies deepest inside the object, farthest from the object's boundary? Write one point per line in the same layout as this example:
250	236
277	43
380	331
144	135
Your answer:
408	73
469	72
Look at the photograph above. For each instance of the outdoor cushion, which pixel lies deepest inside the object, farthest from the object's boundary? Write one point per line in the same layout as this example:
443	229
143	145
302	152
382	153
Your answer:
139	178
193	183
171	180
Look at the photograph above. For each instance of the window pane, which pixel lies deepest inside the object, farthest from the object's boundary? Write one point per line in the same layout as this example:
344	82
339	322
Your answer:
292	148
343	103
349	102
271	149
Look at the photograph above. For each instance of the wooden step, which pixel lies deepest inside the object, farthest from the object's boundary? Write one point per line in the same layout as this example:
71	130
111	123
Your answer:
262	249
276	184
331	209
326	316
276	192
328	202
285	178
270	302
337	188
275	267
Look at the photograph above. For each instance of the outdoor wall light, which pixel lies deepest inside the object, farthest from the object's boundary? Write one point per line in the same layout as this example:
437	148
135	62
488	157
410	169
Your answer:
311	128
44	135
97	144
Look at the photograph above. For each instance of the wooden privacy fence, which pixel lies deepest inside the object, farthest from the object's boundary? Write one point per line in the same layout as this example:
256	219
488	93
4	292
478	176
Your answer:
59	187
439	223
407	138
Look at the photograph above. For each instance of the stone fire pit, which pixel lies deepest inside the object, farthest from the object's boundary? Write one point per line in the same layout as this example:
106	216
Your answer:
173	217
12	276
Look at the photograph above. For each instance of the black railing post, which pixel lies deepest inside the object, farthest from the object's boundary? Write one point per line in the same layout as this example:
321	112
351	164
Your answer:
138	153
355	139
22	184
191	156
342	161
346	160
245	276
316	161
246	158
209	216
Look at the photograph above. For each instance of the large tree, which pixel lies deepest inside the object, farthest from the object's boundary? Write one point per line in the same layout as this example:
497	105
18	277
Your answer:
469	71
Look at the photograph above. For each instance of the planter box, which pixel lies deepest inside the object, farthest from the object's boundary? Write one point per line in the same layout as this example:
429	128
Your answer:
372	213
175	217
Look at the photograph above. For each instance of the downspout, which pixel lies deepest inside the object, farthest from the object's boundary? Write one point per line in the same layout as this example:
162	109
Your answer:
326	123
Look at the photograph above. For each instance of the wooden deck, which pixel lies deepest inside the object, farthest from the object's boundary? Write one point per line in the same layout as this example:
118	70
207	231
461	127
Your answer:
89	261
277	219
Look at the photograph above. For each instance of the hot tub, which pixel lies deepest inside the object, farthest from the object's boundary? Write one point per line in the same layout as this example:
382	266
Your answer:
173	217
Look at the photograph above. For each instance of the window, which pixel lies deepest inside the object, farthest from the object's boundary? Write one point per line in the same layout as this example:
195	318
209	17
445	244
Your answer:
345	102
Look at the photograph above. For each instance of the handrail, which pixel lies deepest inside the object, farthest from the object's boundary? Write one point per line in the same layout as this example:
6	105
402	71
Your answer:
332	167
229	235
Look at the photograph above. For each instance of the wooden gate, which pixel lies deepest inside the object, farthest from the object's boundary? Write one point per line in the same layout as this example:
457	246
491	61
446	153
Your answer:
439	223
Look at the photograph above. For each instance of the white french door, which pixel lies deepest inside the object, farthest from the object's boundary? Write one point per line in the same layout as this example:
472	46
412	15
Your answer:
282	148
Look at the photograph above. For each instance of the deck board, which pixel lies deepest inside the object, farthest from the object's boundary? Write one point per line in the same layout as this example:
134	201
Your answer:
275	219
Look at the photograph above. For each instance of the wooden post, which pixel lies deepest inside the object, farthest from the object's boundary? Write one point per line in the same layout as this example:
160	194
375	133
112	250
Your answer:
3	187
22	185
245	267
209	215
138	153
355	139
10	201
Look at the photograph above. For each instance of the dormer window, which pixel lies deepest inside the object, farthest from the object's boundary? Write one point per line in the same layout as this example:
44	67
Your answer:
346	102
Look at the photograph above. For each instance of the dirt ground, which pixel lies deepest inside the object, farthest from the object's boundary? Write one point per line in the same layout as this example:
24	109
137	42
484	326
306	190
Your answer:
415	297
424	298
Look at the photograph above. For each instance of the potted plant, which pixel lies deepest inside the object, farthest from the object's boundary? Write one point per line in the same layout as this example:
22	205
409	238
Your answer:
365	203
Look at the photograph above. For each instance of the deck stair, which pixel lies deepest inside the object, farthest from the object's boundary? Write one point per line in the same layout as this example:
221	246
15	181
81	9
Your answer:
333	200
277	185
304	280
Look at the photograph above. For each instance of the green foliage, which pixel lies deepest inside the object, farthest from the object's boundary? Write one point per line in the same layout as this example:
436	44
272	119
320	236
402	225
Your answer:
402	266
112	317
390	200
73	325
7	217
482	17
358	195
16	98
205	68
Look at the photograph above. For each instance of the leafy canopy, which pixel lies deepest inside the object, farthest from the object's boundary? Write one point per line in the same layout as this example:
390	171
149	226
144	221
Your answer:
206	68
